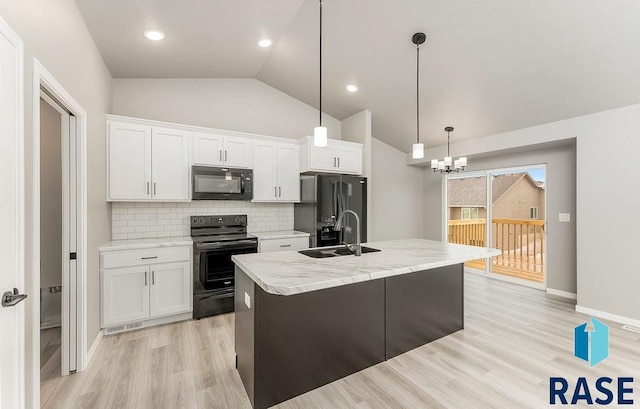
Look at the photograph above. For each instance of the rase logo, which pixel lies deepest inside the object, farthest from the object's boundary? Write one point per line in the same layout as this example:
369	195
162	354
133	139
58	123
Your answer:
592	347
598	344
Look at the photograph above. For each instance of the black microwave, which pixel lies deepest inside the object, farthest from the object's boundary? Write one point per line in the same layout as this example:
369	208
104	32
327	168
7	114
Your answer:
210	183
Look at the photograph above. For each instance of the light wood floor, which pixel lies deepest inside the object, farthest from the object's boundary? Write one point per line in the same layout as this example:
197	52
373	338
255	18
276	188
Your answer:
50	358
514	339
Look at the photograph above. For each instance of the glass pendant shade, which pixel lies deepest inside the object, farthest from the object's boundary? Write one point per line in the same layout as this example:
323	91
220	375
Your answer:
320	136
418	150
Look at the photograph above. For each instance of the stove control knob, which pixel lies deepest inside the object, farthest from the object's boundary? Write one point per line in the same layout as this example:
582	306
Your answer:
237	220
201	220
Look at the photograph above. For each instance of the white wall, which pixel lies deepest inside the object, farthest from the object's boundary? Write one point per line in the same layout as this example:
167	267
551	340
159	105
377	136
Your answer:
236	104
55	33
397	195
50	196
607	144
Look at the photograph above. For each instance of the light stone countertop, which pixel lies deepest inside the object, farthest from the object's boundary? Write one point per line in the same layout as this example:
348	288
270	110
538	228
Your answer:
282	234
133	244
289	272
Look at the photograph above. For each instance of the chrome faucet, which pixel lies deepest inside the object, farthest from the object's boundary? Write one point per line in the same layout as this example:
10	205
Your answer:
356	247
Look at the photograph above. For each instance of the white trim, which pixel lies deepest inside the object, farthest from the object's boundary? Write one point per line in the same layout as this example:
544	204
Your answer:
19	195
608	316
94	347
564	294
42	77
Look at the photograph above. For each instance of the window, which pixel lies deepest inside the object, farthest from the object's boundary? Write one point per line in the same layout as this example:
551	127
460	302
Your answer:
534	212
469	213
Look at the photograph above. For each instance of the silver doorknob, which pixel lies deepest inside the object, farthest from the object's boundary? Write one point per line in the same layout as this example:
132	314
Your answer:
9	299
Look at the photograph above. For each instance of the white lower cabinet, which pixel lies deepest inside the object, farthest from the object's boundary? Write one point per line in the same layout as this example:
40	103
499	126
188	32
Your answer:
147	287
293	243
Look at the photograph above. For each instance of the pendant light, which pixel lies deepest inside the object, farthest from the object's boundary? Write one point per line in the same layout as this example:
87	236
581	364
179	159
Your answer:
418	148
448	164
320	132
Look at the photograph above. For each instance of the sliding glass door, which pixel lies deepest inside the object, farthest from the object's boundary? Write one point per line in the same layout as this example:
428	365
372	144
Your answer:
503	209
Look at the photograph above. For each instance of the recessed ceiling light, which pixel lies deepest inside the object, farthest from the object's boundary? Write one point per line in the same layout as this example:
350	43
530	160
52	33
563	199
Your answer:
265	42
154	35
352	88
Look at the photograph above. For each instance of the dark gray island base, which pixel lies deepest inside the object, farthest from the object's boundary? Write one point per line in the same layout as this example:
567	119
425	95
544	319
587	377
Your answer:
289	345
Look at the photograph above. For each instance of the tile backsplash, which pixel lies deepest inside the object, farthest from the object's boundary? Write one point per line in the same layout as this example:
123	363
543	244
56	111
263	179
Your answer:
151	220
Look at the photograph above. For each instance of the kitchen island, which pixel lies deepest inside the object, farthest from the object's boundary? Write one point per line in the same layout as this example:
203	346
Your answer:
303	322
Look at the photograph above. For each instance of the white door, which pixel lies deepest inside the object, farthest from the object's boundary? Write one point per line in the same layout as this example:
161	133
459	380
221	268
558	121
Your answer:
125	293
288	173
12	318
323	158
238	152
265	171
129	162
170	291
170	164
207	149
349	159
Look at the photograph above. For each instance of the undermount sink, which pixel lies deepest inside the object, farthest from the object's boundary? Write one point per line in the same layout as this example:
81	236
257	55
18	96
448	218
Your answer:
337	251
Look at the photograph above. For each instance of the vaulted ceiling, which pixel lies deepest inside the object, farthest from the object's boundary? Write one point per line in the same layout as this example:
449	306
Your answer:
488	66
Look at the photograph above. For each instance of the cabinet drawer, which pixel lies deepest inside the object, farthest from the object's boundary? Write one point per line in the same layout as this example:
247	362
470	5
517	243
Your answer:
130	258
296	243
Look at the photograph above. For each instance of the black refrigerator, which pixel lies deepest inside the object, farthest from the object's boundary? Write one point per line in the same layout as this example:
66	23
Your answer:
322	198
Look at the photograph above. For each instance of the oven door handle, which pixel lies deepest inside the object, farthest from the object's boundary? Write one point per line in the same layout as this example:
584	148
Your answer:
241	244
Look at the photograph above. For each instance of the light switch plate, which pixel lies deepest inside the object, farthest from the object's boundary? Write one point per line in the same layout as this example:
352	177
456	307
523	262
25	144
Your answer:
564	217
247	300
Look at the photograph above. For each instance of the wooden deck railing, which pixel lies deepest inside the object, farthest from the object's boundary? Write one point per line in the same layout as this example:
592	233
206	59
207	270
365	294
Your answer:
522	243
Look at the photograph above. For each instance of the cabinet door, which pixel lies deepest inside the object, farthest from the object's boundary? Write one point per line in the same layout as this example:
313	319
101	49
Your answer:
349	159
170	164
207	149
322	158
129	162
170	289
265	171
288	173
125	295
238	152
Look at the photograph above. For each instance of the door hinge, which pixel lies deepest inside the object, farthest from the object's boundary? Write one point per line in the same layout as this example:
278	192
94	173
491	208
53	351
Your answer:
73	256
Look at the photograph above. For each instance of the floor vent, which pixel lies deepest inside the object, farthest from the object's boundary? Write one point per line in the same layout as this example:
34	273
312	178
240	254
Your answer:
120	328
631	328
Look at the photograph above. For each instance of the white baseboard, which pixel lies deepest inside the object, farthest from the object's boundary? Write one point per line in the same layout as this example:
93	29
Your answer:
608	316
564	294
93	348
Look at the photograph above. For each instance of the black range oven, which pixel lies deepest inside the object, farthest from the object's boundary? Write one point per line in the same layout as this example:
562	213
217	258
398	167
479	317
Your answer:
215	240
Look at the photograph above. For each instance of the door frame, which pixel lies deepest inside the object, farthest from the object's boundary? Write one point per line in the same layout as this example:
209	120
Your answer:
489	230
19	195
43	78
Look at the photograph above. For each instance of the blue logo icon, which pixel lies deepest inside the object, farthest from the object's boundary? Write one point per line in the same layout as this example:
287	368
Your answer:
597	348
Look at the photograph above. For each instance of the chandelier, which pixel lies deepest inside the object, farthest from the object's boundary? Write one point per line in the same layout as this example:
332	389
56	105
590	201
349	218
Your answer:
449	165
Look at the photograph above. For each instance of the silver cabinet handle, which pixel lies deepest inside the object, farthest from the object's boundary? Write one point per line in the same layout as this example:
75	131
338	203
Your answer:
154	189
149	258
338	162
9	299
220	155
225	155
334	162
147	187
153	277
145	278
275	191
285	245
279	191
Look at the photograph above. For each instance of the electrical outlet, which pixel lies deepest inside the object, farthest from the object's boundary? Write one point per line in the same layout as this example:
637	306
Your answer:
156	217
247	300
564	217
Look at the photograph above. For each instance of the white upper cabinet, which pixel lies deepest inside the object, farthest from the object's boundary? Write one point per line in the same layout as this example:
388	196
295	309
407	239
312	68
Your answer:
336	157
169	164
147	163
276	174
129	164
210	149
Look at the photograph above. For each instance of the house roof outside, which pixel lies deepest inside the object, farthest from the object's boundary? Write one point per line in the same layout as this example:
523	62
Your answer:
471	191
